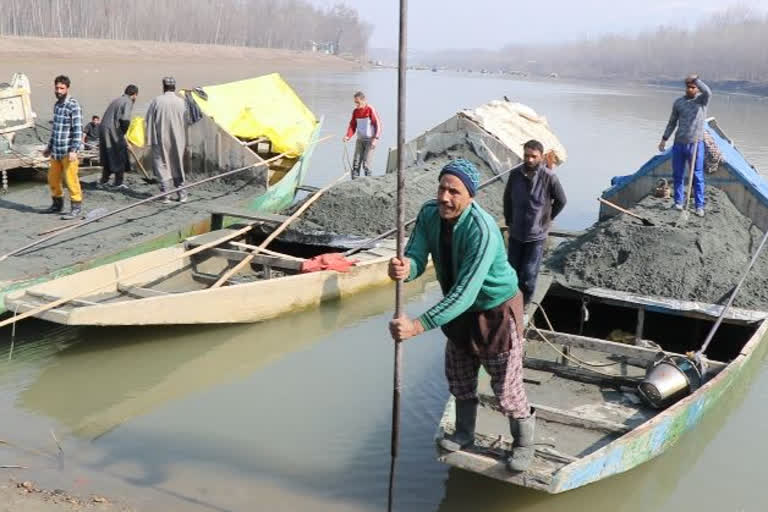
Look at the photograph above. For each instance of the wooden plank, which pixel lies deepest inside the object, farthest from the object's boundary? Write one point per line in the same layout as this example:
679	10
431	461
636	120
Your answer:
609	347
271	218
556	415
580	374
138	291
50	298
259	259
543	283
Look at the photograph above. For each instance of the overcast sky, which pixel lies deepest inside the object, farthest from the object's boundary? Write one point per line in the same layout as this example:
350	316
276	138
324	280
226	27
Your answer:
437	24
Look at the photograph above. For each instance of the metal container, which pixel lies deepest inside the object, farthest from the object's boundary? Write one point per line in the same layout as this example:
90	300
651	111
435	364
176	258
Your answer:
668	380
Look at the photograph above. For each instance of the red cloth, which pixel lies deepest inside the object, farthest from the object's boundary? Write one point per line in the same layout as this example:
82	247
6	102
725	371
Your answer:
366	112
330	261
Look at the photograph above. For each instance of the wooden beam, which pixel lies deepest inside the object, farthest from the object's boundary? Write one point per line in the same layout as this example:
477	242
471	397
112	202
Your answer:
138	291
50	298
259	259
580	374
609	347
564	417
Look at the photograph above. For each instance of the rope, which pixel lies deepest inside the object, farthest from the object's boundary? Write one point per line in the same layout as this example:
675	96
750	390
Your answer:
587	365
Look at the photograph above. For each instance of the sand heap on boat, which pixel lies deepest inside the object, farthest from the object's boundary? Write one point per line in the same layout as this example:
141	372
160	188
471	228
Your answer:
700	261
366	206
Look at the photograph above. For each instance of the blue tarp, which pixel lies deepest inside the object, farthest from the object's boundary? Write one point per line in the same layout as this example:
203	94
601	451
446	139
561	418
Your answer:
733	161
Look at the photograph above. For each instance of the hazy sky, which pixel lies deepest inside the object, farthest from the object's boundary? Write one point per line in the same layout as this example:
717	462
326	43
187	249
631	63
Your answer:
435	24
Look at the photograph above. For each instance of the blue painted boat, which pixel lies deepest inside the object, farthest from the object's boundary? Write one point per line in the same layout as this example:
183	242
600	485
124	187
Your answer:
591	421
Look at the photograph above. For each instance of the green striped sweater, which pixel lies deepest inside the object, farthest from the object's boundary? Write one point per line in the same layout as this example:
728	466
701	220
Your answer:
483	277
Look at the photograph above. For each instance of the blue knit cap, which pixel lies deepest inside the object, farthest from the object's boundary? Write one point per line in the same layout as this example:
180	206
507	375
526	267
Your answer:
465	171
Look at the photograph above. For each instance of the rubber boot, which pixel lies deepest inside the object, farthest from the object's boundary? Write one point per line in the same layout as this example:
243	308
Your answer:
57	205
523	433
75	213
466	414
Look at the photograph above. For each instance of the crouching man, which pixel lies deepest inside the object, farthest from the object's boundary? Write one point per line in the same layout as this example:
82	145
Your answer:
481	311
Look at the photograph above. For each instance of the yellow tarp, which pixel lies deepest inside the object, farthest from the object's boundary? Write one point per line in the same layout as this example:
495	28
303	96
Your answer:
135	133
261	107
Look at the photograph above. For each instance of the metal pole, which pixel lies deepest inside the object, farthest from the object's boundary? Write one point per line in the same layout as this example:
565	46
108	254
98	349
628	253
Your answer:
401	70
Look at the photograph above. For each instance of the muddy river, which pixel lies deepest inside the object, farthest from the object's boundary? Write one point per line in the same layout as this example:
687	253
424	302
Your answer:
293	414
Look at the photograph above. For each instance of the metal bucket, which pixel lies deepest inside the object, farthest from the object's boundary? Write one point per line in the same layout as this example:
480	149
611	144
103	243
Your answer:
668	380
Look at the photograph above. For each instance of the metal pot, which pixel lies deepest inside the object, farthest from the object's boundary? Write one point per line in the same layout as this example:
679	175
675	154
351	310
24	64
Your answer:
668	380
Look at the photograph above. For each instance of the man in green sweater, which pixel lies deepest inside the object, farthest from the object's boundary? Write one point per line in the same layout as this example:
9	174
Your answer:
481	311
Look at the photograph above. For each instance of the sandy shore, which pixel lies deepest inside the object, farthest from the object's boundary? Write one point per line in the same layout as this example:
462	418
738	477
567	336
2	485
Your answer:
26	496
24	48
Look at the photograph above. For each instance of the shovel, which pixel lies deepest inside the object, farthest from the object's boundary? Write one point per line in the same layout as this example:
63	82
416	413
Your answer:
684	214
146	177
645	221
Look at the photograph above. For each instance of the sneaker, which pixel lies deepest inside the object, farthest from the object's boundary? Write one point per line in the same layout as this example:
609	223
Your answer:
700	212
166	200
121	187
678	207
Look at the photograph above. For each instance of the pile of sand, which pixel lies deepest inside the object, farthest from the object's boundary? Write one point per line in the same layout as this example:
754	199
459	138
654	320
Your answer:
701	260
366	206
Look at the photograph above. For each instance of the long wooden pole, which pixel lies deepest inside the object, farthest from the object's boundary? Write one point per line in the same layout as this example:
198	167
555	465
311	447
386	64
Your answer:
147	200
401	95
245	261
64	300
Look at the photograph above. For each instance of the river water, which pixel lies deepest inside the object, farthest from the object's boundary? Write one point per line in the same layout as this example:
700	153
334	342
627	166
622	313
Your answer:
294	414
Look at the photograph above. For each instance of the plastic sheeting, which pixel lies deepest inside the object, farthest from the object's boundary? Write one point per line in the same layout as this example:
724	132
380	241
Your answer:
515	124
261	107
135	133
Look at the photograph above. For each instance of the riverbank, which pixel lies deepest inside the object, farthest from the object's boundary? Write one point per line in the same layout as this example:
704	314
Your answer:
26	496
26	49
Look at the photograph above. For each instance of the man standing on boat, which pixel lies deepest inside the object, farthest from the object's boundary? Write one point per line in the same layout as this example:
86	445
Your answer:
533	197
365	122
689	113
65	142
113	148
166	133
481	312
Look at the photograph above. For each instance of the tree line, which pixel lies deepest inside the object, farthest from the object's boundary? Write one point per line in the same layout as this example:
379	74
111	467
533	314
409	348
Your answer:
731	45
285	24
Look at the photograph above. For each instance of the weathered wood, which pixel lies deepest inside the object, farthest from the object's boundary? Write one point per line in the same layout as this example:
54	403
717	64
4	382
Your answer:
580	374
640	325
608	347
138	291
267	218
48	297
556	415
267	251
260	259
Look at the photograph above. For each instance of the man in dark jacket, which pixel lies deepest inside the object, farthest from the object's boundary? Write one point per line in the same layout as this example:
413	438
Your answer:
532	199
113	148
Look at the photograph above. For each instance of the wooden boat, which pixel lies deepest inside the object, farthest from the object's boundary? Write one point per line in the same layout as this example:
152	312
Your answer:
211	149
495	131
177	288
591	420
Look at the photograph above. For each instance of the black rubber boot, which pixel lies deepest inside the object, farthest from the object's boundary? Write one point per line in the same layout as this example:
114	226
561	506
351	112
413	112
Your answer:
75	213
523	432
57	205
464	436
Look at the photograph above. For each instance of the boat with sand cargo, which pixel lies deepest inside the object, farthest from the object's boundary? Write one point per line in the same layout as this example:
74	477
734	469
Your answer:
244	124
617	377
192	283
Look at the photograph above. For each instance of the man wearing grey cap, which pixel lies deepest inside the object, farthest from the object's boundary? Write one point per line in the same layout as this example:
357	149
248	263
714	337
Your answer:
166	133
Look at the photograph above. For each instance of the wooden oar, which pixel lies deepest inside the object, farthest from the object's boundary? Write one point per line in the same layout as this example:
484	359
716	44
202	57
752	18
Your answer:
58	302
646	222
245	261
392	231
400	220
149	199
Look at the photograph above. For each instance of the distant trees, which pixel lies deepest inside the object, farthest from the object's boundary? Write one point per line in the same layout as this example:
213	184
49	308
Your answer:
290	24
730	45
